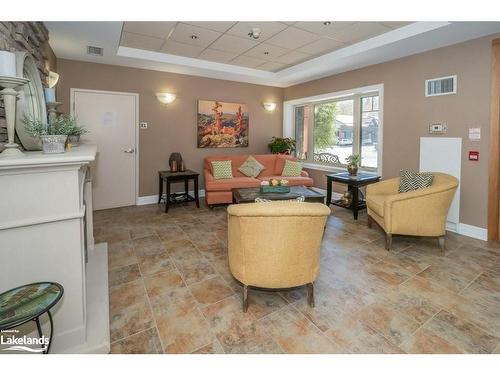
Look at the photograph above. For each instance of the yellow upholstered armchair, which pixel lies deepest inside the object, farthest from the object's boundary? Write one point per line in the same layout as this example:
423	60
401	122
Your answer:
420	212
276	245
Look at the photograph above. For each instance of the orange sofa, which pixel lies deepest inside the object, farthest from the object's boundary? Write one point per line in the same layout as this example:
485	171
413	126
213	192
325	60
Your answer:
219	191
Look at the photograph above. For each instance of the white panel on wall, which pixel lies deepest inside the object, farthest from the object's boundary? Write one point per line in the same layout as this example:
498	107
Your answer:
443	154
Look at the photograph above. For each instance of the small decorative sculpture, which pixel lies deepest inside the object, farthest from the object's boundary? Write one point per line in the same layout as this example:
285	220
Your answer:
182	168
175	161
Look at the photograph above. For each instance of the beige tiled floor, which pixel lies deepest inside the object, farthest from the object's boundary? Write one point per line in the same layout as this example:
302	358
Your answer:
171	291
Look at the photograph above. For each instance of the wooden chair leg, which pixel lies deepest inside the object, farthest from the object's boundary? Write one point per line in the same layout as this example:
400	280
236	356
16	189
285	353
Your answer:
310	294
245	298
388	241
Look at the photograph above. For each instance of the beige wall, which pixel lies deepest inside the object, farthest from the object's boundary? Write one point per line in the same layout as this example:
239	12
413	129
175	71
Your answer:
408	113
173	127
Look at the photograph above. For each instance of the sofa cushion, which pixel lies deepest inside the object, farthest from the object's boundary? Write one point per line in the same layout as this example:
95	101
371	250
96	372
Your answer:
376	203
280	162
410	181
233	183
221	169
291	169
267	160
292	181
251	167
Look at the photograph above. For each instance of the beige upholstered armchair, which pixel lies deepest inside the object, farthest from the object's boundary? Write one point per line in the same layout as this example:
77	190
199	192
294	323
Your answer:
276	245
420	212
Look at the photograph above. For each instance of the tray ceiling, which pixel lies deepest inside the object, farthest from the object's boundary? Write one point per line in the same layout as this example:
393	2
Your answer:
279	45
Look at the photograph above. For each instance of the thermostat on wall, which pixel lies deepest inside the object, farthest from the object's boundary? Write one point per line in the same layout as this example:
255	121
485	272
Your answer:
438	128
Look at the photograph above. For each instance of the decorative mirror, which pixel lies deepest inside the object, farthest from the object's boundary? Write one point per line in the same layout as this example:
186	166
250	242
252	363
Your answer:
31	101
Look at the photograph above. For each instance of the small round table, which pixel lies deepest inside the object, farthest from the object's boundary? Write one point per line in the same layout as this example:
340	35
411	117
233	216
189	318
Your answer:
28	302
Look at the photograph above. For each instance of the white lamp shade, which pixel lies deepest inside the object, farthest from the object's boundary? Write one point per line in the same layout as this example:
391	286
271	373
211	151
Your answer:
52	79
165	97
269	106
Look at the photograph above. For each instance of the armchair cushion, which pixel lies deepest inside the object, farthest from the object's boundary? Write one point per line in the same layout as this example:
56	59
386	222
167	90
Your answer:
376	203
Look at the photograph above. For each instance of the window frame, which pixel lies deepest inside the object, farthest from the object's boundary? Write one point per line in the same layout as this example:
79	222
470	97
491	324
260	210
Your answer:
356	94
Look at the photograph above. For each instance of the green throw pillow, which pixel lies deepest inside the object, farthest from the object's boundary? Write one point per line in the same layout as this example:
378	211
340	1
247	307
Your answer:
251	167
291	169
222	169
410	181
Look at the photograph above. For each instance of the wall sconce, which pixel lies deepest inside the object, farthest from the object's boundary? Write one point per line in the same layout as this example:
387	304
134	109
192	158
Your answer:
269	107
166	97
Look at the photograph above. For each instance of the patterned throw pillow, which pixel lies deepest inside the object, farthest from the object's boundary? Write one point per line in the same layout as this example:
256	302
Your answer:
410	181
251	167
291	169
222	169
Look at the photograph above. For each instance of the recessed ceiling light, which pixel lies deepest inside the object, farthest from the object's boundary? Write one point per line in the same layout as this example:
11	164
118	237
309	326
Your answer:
194	37
326	23
255	33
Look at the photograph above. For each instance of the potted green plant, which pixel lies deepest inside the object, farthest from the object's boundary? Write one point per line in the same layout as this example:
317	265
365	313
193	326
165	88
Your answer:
52	138
69	125
54	134
353	164
282	145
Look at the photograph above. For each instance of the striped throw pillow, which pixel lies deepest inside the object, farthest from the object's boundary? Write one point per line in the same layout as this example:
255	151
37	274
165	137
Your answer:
222	169
291	169
410	181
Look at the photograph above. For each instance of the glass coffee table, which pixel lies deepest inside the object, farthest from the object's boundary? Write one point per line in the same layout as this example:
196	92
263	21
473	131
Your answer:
248	195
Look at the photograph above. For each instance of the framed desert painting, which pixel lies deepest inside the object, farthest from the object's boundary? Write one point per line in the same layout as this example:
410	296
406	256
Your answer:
222	124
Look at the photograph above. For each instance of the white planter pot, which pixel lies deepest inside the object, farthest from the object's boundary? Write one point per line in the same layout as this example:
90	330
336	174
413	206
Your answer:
53	144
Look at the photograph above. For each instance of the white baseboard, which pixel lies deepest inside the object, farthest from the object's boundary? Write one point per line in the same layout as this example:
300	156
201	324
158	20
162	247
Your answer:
151	199
473	231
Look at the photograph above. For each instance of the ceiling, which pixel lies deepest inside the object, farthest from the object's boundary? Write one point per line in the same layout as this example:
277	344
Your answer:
154	49
278	46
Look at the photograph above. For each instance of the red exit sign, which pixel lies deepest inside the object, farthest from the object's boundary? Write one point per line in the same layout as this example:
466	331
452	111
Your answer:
474	155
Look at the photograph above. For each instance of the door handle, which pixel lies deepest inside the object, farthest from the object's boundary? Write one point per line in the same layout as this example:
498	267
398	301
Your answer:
129	151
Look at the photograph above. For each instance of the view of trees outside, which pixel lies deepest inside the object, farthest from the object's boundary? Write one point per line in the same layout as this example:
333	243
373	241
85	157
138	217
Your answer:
333	124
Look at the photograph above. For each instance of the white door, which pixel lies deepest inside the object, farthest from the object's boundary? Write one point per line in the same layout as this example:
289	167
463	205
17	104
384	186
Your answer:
111	118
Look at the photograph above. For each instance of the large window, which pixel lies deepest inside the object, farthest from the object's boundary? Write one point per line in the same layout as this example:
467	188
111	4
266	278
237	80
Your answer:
334	129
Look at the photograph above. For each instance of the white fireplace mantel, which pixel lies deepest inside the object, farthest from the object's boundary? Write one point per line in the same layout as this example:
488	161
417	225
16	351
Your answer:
46	235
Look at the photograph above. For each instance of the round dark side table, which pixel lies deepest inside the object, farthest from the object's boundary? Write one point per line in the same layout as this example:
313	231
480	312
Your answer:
27	303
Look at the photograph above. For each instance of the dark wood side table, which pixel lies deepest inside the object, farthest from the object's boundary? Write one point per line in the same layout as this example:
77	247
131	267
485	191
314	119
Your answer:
353	184
168	177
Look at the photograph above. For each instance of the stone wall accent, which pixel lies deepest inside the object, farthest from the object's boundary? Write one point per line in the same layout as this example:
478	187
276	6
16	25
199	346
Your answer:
31	37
